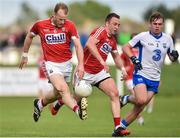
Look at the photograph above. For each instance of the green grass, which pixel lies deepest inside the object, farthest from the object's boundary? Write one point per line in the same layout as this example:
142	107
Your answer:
16	115
16	119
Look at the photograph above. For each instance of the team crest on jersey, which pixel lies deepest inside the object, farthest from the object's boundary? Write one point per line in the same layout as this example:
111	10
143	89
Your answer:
63	29
164	45
55	38
106	48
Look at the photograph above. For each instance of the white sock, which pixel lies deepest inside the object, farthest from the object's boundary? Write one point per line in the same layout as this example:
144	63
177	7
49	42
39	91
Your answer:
40	104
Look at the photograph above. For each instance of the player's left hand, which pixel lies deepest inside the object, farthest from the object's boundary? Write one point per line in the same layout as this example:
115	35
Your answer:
80	71
174	55
124	74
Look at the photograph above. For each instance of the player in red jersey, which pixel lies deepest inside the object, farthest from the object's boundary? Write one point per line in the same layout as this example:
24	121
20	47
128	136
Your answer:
56	34
100	43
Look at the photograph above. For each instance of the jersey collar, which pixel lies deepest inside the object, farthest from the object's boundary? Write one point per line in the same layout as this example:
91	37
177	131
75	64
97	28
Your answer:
156	36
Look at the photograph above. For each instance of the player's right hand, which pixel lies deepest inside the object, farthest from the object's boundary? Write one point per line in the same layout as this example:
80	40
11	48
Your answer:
136	63
80	71
23	62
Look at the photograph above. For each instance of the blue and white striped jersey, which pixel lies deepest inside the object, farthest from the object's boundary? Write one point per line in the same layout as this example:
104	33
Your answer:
152	52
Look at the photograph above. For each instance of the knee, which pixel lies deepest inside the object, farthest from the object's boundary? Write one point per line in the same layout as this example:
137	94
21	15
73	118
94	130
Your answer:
114	95
62	88
141	101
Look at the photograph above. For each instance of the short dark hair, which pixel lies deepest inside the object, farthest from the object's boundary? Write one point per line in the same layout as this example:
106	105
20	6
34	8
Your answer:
156	15
110	16
62	6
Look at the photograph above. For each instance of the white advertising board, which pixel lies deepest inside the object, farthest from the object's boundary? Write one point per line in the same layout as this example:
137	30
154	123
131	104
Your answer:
16	82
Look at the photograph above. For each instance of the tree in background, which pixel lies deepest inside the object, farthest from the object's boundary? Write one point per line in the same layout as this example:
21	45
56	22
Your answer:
81	12
27	15
168	13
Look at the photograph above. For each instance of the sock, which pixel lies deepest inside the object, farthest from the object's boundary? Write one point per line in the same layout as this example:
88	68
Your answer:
116	122
126	98
75	109
123	123
58	104
60	101
40	104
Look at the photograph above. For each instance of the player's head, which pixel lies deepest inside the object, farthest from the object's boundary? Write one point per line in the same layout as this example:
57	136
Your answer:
60	14
112	22
156	23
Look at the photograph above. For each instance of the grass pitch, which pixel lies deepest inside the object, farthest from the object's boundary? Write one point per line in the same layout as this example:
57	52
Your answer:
16	119
16	115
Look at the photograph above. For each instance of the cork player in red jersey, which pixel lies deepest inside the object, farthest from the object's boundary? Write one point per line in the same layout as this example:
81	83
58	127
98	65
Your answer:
56	34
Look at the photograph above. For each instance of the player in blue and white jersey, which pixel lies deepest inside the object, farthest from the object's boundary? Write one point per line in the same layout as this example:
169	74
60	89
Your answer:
153	46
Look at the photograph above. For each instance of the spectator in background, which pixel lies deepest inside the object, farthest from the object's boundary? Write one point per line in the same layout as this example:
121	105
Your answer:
83	39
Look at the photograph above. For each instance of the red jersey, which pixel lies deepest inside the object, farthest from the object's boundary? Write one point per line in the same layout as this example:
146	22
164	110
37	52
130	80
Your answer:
105	45
55	41
129	66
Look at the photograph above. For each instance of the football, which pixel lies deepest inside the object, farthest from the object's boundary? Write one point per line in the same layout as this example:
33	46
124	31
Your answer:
83	89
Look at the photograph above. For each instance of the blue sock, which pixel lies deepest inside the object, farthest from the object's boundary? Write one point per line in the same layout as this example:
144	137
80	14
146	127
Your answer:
123	123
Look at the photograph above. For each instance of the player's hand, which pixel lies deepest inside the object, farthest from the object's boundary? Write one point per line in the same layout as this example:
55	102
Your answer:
136	63
23	62
106	67
124	74
174	54
80	71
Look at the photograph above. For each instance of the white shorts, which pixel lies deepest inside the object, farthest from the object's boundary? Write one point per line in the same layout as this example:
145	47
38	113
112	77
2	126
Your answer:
95	79
64	68
129	84
44	86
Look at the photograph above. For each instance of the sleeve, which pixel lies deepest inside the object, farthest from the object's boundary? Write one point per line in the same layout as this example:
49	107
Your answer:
171	45
97	33
34	29
135	40
73	31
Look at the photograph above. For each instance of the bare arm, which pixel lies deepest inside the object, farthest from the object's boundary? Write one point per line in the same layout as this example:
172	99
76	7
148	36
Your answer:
25	50
91	45
80	57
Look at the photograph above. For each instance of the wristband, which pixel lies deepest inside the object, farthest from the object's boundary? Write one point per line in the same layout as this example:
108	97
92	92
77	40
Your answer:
123	69
24	54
